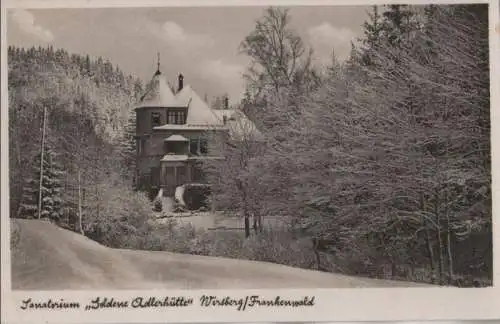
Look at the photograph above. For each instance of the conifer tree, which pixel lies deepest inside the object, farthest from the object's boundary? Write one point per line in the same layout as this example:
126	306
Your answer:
399	24
51	188
128	148
373	29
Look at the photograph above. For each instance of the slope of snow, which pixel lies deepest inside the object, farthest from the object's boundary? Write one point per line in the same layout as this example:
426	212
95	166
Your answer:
179	195
45	257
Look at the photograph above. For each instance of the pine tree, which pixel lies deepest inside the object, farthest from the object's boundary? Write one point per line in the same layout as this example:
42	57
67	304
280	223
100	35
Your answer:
52	183
373	30
87	66
51	189
29	202
138	89
399	24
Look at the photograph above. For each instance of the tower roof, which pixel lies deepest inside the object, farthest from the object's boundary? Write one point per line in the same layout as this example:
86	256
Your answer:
158	93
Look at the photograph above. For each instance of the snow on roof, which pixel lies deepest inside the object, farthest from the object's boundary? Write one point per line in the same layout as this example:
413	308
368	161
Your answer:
174	158
176	138
238	123
205	157
158	93
190	127
199	113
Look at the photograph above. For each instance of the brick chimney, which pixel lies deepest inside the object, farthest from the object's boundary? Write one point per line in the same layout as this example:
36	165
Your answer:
180	83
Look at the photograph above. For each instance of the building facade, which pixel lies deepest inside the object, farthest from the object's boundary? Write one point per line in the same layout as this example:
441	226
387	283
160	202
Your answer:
172	128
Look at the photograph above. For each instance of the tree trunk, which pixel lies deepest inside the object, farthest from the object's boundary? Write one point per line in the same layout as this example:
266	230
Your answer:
80	223
247	226
245	208
255	227
430	251
394	269
98	207
428	239
441	259
315	242
448	230
41	164
439	236
448	243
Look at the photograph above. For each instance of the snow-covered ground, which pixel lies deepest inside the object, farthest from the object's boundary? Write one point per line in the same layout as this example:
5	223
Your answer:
213	220
46	257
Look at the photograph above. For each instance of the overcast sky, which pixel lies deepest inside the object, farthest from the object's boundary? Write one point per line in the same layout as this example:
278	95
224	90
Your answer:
202	43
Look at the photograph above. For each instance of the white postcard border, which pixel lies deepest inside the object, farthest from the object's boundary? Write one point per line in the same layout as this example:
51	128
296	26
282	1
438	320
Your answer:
374	304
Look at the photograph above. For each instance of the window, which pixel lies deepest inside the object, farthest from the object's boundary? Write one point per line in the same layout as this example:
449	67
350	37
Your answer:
155	119
179	118
198	146
193	146
176	117
203	146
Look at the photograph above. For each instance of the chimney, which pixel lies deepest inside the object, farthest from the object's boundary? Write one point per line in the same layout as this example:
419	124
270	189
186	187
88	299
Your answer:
226	102
181	83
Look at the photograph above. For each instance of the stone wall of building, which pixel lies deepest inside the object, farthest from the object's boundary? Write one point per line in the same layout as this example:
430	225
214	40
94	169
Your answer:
143	119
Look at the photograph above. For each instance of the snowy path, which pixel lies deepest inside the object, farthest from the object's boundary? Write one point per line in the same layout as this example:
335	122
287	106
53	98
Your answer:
168	204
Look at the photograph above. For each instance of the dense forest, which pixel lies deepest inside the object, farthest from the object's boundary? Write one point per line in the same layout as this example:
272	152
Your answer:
383	160
380	164
82	109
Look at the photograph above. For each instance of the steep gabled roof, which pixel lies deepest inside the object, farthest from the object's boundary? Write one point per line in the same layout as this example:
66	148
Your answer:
199	113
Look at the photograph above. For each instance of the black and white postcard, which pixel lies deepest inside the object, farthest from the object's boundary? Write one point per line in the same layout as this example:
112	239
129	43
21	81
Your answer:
229	161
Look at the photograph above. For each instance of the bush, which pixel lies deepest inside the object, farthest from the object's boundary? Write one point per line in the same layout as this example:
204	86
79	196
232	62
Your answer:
179	208
228	244
117	217
169	236
157	205
15	234
196	196
275	246
279	247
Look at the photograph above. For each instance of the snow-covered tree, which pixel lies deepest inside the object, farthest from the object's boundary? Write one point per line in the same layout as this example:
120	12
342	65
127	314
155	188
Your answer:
51	189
